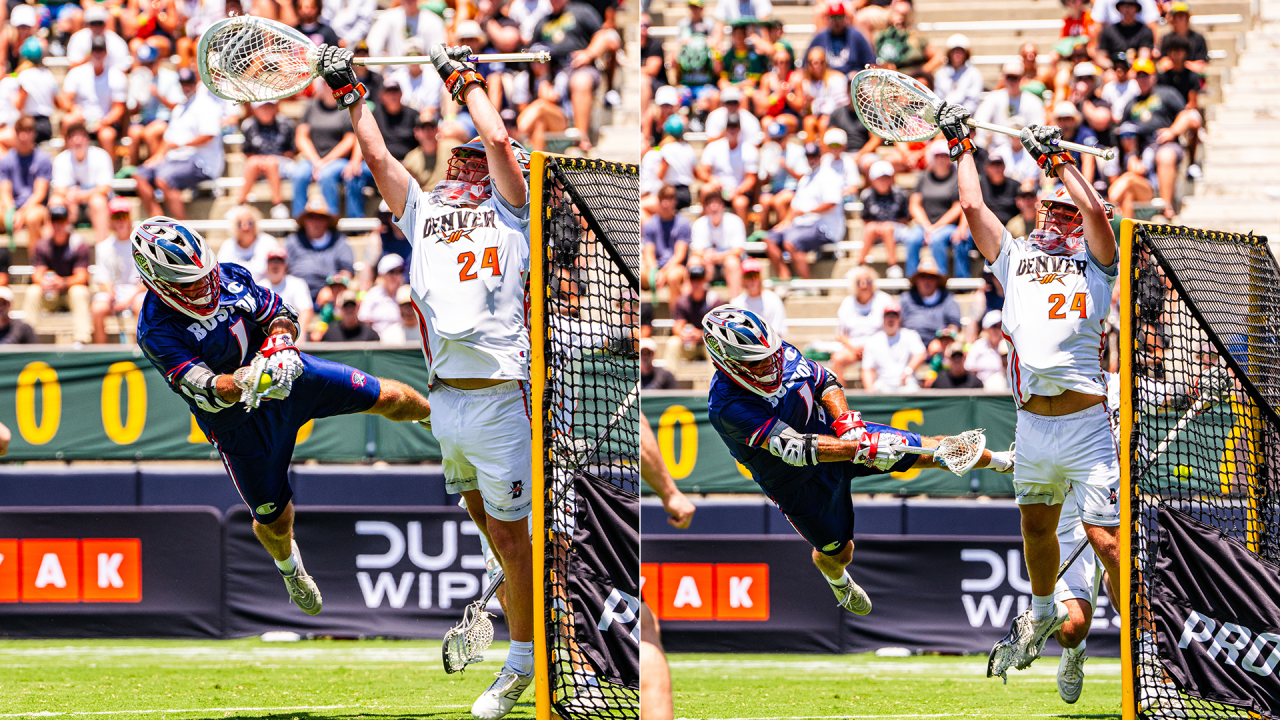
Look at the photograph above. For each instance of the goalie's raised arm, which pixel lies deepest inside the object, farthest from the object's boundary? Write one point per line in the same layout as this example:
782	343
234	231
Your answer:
983	223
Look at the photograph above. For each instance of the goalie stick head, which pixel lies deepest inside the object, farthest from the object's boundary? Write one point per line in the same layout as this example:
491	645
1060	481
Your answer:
743	347
177	264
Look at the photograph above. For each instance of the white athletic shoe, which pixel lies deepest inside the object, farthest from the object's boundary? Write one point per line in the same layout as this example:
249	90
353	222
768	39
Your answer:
501	696
1033	634
280	212
1157	695
586	700
1071	674
853	598
302	589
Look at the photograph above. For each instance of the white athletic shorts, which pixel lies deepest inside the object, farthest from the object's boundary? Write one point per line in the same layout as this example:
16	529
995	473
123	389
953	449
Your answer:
486	443
1082	577
1076	451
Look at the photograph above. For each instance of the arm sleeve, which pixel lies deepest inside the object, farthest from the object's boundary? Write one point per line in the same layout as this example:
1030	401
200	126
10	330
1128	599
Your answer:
103	169
182	369
735	231
83	258
1000	268
408	223
750	422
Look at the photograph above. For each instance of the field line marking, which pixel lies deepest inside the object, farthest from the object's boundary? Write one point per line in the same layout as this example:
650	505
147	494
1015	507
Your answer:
52	713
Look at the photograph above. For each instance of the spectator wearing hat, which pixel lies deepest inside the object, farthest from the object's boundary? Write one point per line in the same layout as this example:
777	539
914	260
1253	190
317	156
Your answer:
318	251
756	298
666	245
379	308
248	244
291	288
119	288
665	101
1128	35
738	13
885	214
12	332
694	24
1135	177
824	91
37	94
814	218
94	93
81	180
313	26
1008	103
327	150
935	207
269	149
1068	117
25	176
678	161
999	191
154	91
1123	88
350	19
397	121
847	50
730	166
348	327
985	359
576	36
1021	225
928	306
687	312
718	242
1162	117
21	26
731	106
393	27
191	151
956	377
81	45
1106	12
1179	17
424	161
835	157
407	329
892	355
959	82
1086	95
1188	83
419	89
60	276
1067	52
653	377
860	315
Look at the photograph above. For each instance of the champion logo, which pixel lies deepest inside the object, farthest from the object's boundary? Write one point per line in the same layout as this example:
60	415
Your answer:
357	378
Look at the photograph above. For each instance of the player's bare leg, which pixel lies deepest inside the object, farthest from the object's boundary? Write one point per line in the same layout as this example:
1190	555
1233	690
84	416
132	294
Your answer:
1106	544
277	538
1071	636
655	676
475	508
834	568
398	402
510	542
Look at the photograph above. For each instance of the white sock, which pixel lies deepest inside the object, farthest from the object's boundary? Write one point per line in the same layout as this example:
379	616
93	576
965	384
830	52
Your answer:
1042	606
287	565
520	657
842	582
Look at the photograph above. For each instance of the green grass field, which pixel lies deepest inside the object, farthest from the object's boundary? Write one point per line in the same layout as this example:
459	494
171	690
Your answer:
815	687
189	680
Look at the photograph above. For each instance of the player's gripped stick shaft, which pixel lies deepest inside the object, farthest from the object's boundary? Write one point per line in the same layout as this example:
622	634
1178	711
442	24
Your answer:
898	108
252	59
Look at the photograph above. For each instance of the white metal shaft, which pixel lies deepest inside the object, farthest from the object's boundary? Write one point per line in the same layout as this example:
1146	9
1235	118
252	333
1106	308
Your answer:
424	60
1104	153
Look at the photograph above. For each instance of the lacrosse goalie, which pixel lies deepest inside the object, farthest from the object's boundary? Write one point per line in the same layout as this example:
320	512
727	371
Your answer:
1057	283
470	238
199	327
787	420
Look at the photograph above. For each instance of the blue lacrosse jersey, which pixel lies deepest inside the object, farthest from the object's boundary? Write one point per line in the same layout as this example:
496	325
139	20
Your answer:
174	341
746	421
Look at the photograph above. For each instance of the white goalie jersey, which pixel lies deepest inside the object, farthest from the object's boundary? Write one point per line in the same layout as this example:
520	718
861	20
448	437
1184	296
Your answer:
1055	310
468	285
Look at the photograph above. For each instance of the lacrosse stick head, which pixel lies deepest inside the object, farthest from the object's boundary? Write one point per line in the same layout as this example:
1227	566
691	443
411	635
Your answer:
464	643
1215	384
894	106
252	59
959	453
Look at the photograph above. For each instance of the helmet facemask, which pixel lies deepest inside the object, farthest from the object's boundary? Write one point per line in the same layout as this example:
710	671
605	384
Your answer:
466	182
1059	229
198	299
745	349
762	377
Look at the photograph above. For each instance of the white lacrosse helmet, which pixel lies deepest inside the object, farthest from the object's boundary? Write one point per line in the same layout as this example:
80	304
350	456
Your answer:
1066	237
177	265
466	180
738	341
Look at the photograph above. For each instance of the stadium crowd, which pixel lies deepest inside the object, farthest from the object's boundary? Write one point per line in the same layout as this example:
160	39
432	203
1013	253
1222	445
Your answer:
104	121
756	165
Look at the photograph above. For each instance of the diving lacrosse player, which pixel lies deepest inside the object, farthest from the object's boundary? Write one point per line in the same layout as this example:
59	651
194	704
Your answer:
787	420
225	344
470	238
1057	284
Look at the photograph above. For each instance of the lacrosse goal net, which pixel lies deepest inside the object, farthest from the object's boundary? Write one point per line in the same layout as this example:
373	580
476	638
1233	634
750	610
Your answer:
584	297
1200	380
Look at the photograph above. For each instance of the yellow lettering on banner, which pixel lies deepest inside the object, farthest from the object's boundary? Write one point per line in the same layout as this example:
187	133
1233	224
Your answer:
136	410
51	403
902	420
673	415
304	432
196	435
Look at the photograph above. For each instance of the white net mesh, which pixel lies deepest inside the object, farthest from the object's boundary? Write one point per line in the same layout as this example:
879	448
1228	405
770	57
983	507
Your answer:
961	452
250	59
464	644
893	106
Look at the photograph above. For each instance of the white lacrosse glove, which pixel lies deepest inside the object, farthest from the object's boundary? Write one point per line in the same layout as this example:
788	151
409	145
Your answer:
849	426
880	450
270	375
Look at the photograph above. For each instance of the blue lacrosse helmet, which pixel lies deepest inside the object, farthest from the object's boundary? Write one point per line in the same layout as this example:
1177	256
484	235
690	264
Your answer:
743	347
177	265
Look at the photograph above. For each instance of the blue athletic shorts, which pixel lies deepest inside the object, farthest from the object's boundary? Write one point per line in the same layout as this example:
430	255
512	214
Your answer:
821	510
257	453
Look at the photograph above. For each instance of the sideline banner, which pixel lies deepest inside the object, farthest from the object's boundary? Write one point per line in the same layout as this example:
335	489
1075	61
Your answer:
735	593
113	405
700	462
111	572
402	572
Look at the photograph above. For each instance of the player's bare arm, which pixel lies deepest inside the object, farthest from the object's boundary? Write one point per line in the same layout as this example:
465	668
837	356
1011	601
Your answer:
985	226
1093	214
653	470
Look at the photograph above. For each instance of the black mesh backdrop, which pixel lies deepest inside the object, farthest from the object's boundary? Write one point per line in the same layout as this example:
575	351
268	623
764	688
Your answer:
1205	378
591	232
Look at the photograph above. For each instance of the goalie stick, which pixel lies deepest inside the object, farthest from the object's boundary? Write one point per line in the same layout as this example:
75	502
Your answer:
465	641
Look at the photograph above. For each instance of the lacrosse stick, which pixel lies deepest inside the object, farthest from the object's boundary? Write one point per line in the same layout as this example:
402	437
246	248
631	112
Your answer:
899	108
957	453
1215	384
1003	653
252	59
572	449
465	641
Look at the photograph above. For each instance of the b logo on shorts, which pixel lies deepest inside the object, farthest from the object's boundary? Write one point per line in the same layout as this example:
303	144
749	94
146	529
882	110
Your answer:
517	489
357	378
